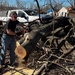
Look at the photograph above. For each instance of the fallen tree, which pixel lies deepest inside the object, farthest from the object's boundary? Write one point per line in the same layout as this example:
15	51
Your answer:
46	30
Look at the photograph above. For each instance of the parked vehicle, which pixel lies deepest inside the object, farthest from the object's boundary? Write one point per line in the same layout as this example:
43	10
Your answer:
47	18
24	16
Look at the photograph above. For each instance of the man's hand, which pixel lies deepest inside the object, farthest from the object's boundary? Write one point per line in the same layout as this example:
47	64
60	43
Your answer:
10	32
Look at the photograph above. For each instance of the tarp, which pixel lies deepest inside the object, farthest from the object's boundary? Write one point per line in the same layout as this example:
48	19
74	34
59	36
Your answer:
50	10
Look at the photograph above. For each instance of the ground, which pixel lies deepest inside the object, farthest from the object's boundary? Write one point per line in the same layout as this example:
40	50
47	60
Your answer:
45	59
66	66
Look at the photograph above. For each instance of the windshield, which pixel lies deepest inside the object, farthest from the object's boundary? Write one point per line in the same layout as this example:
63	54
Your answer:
31	12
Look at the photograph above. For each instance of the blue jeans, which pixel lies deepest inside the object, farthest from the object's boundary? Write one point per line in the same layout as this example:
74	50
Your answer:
7	42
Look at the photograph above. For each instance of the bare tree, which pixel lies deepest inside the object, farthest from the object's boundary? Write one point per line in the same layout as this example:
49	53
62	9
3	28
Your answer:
55	5
72	3
3	4
32	5
21	4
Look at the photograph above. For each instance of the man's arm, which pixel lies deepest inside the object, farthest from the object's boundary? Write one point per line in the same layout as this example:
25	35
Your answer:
10	32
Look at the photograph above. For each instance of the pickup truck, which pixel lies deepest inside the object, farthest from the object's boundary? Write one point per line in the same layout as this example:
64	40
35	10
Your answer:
24	16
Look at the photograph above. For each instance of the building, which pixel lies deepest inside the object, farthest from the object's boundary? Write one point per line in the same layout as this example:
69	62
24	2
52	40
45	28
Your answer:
63	12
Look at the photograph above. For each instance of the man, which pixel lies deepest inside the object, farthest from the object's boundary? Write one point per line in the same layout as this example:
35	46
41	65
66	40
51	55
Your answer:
8	40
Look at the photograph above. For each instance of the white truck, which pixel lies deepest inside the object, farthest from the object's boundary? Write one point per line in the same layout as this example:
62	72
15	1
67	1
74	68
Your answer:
24	16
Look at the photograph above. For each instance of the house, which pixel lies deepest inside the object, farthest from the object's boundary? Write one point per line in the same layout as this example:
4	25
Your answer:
63	12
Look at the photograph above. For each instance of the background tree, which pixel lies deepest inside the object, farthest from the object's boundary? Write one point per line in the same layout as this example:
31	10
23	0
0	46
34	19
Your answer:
4	4
32	5
20	4
72	3
55	4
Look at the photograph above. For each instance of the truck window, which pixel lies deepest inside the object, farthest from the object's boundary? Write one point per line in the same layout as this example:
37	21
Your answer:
31	12
21	14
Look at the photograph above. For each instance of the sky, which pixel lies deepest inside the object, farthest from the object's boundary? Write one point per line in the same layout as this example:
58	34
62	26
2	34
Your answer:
13	2
41	2
27	1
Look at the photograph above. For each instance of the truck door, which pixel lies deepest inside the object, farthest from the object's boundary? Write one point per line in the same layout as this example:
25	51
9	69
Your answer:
21	16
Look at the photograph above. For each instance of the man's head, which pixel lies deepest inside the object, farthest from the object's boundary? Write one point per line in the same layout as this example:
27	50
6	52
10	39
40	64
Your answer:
13	16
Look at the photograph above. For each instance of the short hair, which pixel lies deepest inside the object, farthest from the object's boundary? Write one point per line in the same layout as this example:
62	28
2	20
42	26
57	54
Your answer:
13	13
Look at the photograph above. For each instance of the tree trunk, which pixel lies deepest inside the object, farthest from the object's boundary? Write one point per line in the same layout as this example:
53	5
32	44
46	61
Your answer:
44	30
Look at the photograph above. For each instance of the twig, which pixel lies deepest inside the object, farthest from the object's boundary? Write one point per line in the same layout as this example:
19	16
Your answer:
66	54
